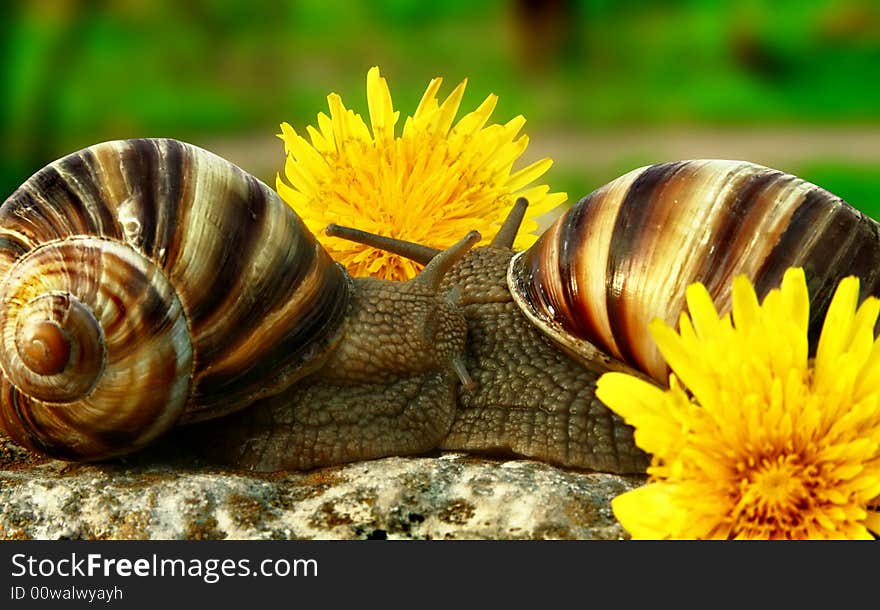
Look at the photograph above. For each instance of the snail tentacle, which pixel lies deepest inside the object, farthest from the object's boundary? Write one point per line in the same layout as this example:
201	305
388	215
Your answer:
507	233
433	273
407	249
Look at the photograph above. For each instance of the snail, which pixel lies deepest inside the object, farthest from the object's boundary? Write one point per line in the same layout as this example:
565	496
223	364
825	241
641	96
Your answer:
150	286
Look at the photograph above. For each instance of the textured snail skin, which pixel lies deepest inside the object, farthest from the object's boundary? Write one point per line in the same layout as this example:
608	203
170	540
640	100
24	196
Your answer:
387	389
529	399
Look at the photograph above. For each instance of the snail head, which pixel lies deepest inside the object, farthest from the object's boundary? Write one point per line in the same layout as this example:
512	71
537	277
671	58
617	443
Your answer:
453	278
404	328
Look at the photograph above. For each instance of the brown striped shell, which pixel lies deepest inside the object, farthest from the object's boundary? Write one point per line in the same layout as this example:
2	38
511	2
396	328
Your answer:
149	282
624	254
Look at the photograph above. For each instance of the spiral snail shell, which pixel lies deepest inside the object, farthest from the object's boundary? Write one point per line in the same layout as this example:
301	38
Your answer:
624	254
133	274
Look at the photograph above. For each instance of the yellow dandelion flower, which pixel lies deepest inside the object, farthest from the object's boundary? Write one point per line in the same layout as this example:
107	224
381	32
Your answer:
754	439
430	185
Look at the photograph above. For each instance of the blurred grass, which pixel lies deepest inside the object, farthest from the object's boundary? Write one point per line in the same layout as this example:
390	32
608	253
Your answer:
857	184
75	72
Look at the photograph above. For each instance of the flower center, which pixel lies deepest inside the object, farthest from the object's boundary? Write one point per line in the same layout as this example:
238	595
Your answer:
774	494
777	485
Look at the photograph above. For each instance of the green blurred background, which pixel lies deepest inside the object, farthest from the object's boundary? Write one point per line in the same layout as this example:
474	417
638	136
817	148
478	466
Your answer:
606	85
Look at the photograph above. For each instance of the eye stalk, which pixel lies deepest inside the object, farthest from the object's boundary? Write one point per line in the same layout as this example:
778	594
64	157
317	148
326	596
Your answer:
408	249
425	254
507	233
434	271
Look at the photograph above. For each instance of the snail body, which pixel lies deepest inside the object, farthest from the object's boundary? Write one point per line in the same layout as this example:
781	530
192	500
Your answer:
150	285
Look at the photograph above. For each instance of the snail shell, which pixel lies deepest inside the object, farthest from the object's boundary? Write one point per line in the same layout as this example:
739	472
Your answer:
150	282
624	254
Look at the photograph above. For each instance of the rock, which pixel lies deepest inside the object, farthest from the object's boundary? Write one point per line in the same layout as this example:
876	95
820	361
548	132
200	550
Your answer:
452	495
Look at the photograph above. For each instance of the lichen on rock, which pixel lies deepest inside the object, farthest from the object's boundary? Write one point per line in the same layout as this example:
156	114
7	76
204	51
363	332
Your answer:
444	496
